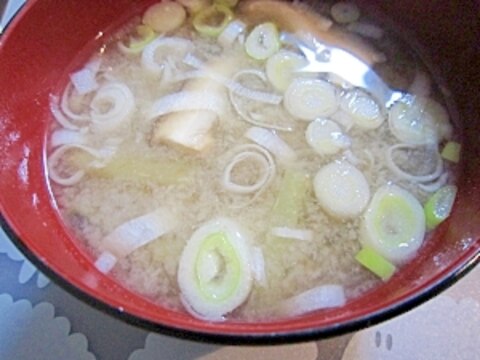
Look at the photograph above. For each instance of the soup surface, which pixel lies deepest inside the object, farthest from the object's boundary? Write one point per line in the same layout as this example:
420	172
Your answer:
253	160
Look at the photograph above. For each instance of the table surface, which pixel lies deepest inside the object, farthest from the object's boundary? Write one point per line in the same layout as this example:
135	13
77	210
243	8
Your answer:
39	320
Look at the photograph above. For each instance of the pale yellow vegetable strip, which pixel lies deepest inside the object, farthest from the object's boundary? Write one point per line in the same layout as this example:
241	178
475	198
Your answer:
289	206
131	167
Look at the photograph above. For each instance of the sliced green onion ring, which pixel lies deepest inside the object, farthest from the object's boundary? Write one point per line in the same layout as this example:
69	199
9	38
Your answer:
376	263
393	224
255	153
451	151
402	174
215	269
206	21
136	45
263	41
439	205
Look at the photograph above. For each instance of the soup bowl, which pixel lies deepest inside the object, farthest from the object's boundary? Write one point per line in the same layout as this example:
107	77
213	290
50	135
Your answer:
37	51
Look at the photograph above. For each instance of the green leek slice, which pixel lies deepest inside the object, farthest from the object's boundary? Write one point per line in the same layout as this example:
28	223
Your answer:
451	151
136	45
263	41
215	270
212	20
439	205
289	206
393	224
376	263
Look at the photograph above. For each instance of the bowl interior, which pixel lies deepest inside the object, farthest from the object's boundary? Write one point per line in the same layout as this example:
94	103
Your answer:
36	52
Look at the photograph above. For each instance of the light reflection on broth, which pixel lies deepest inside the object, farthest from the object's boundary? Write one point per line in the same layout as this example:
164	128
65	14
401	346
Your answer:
205	171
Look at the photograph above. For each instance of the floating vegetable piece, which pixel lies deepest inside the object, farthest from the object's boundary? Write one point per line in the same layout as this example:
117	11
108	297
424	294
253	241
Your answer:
292	233
157	53
272	142
187	100
111	106
212	20
326	137
136	45
134	234
376	263
321	297
187	129
194	6
263	41
289	205
254	106
164	16
345	12
84	81
67	171
451	151
142	167
341	190
67	136
280	68
393	224
439	206
231	33
258	266
215	269
406	175
252	153
307	99
363	108
419	120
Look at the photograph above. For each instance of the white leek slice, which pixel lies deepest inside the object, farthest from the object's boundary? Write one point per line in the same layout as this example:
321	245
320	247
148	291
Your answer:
112	106
393	224
272	142
253	153
326	137
257	111
281	66
291	233
258	266
67	136
59	115
307	99
419	120
68	93
187	100
365	111
99	157
215	269
342	190
106	262
320	297
403	174
263	41
344	12
164	16
231	33
84	80
156	53
138	232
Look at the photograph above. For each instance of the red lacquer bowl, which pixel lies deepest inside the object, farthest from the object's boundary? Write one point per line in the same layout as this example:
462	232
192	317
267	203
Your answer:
37	51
